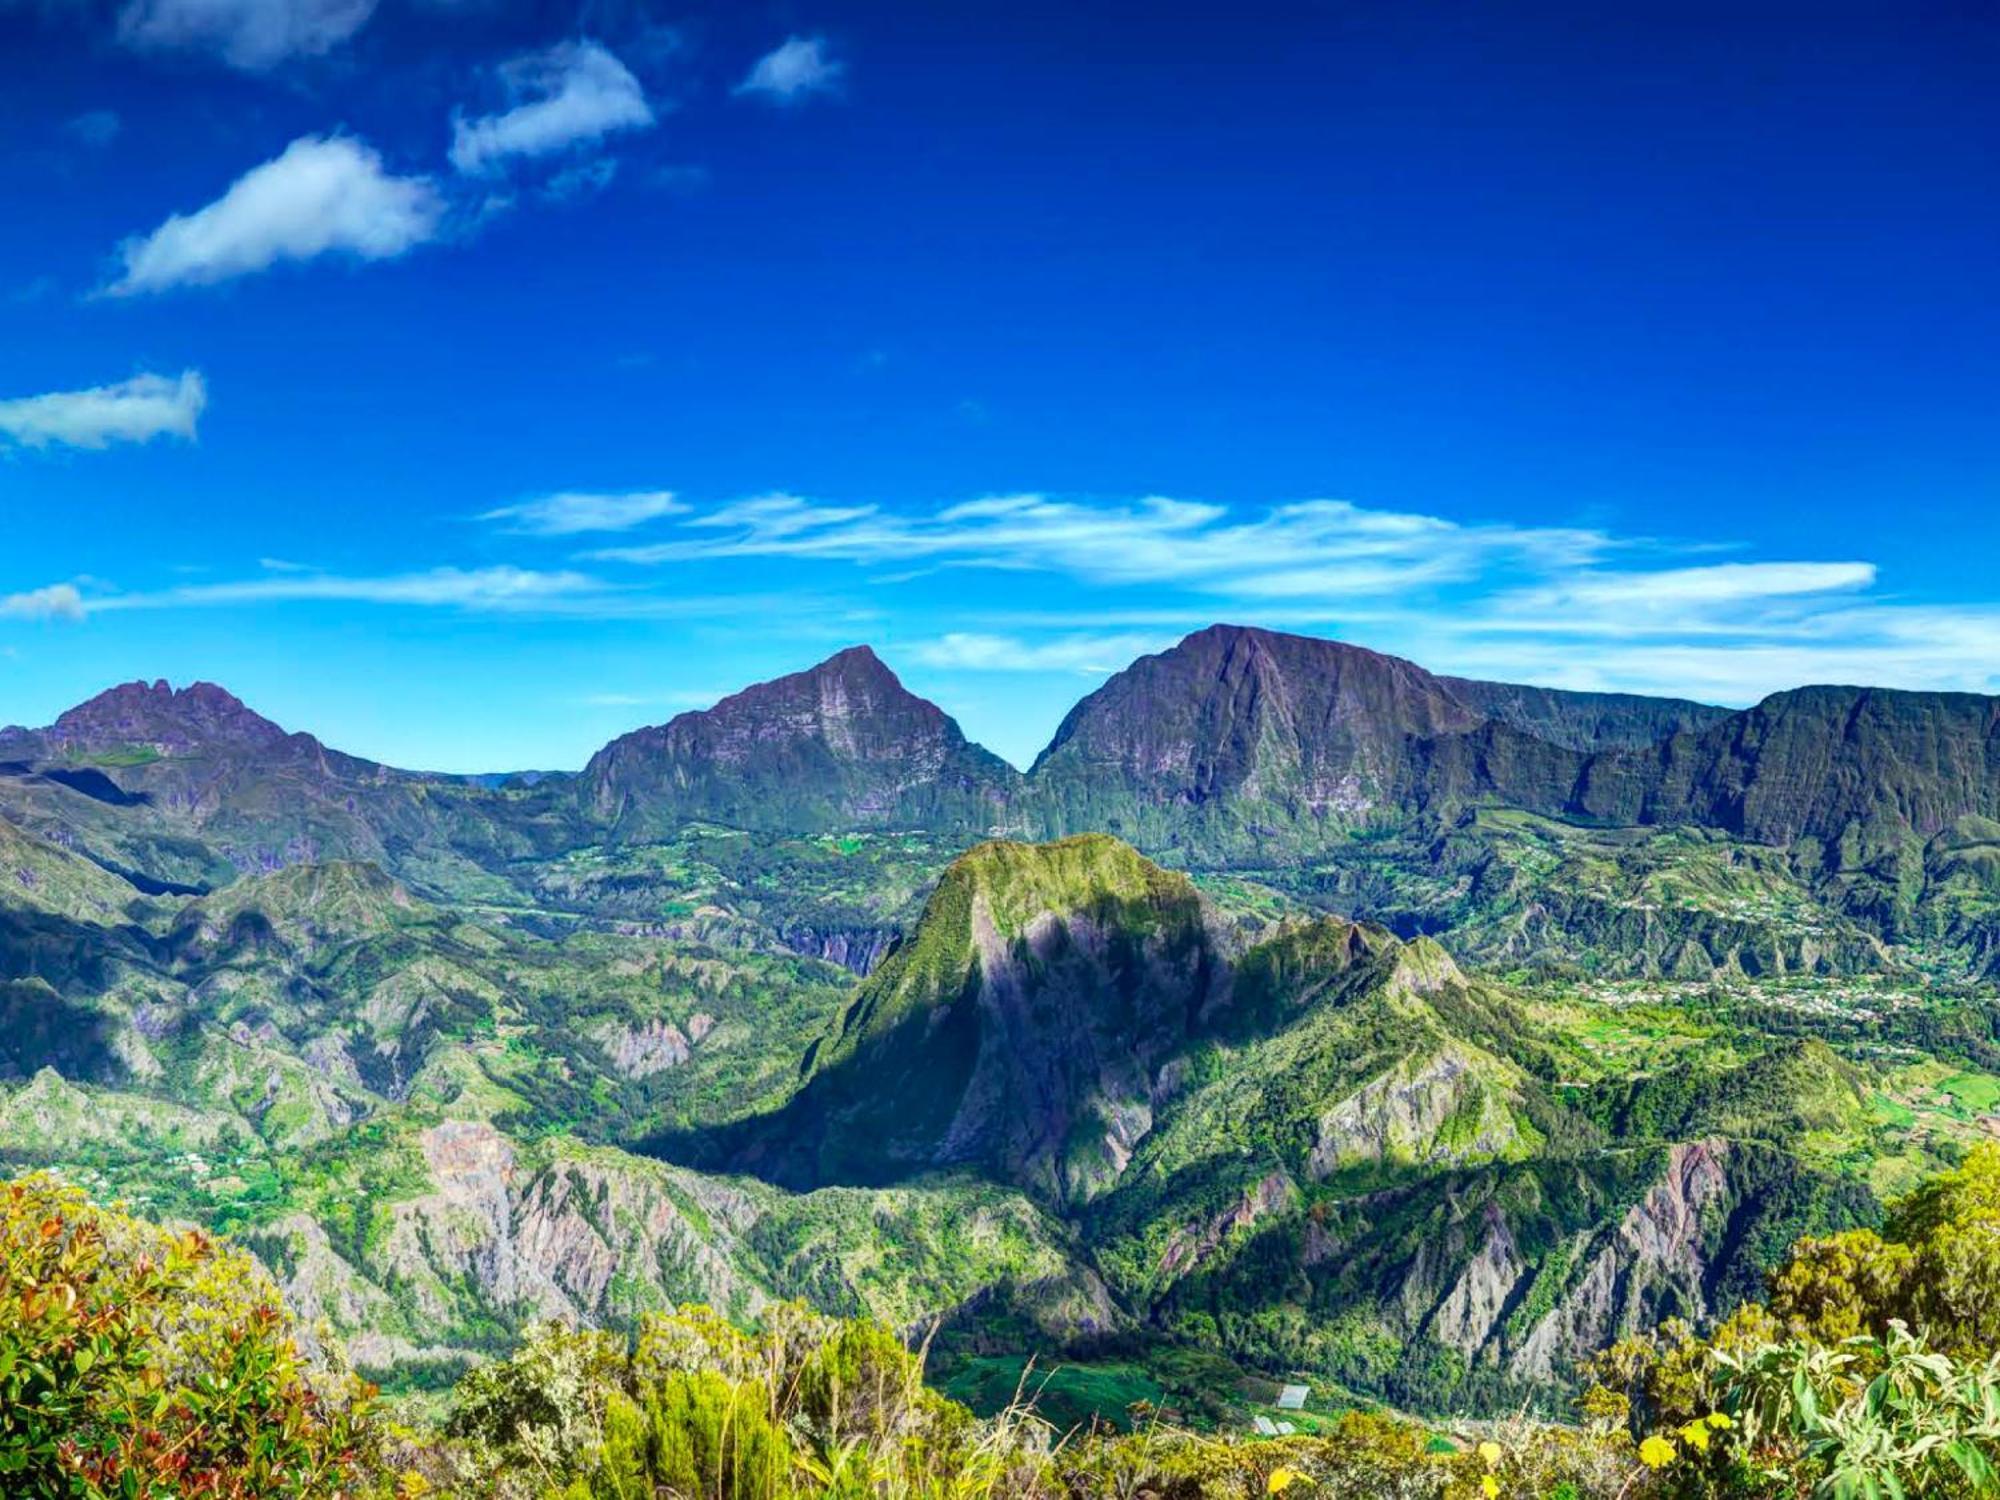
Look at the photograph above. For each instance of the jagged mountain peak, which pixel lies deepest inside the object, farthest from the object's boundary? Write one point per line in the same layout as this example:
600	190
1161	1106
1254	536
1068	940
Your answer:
157	714
850	683
842	744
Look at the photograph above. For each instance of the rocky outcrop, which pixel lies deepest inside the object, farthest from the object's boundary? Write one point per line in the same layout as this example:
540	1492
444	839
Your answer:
1471	1310
1651	1265
859	950
643	1050
1447	1108
1193	1245
555	1239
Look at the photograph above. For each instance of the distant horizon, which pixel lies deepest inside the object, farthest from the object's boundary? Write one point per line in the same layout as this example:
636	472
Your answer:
1023	765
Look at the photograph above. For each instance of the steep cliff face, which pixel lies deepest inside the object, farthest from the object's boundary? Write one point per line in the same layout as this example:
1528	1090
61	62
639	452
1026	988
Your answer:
1236	728
1823	763
1652	1265
1021	1029
493	1233
1585	721
839	747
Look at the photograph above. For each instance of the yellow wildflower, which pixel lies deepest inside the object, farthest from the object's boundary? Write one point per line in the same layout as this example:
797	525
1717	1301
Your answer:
1492	1453
1719	1420
1490	1486
1695	1435
1656	1452
1281	1479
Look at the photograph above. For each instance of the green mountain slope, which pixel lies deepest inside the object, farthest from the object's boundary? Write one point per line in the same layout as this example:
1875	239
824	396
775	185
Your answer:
1418	1033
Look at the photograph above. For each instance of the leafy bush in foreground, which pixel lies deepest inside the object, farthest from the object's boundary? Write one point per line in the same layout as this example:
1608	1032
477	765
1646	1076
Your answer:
137	1362
1873	1371
811	1407
150	1365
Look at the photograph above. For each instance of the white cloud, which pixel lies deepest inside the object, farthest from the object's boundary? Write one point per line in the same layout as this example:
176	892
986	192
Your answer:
793	71
491	590
573	514
132	411
1945	650
1092	655
1680	589
250	34
58	601
573	93
1564	606
324	195
1316	549
497	588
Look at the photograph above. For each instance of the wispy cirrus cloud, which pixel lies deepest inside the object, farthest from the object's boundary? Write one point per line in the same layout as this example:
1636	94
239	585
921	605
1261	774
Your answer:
575	514
795	70
495	589
1088	655
1567	606
1635	595
131	411
571	95
253	35
502	589
1306	549
324	195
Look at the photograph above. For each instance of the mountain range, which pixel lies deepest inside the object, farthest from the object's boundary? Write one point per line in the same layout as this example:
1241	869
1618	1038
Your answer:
1297	1005
1237	749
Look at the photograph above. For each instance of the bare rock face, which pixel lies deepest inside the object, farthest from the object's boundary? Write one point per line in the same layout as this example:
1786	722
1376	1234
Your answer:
842	746
1236	730
1471	1311
554	1241
641	1051
157	716
1188	1247
859	950
1652	1262
1404	1114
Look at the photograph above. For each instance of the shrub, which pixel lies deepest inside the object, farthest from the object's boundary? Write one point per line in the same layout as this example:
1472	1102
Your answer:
149	1364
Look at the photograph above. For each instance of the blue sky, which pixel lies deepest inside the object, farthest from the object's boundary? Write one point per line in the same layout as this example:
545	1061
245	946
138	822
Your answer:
468	381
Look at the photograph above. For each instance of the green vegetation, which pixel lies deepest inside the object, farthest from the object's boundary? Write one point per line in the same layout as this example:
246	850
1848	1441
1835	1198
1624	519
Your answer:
138	1362
135	1361
1872	1369
1460	1033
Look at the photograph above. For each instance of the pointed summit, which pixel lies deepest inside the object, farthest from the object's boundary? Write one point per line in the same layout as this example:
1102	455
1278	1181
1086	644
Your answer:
840	745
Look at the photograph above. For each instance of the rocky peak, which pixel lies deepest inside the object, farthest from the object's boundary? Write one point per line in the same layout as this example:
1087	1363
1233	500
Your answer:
156	715
851	701
1230	696
840	745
